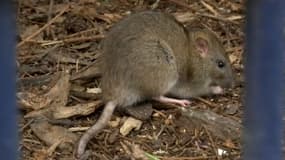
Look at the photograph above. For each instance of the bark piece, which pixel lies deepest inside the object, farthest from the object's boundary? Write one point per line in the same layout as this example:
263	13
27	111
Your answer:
221	127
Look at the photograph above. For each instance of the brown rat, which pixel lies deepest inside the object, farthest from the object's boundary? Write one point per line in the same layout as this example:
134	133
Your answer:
149	55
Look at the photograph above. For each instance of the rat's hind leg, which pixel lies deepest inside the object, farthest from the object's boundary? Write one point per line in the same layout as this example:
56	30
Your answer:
180	102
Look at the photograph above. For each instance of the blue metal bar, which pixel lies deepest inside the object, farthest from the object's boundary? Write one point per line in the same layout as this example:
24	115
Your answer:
8	131
264	81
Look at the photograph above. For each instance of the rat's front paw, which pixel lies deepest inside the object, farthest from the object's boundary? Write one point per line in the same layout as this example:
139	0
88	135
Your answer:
183	102
180	102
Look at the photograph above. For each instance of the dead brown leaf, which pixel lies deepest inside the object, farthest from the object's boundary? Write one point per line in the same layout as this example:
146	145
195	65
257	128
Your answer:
51	134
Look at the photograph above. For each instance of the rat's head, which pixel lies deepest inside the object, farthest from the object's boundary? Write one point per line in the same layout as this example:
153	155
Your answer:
213	68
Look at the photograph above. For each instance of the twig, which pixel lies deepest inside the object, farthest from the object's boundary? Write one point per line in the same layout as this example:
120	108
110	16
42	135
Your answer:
160	132
193	158
209	7
78	129
52	148
182	4
155	4
160	113
206	102
213	144
50	9
68	40
26	125
82	33
44	27
188	158
229	19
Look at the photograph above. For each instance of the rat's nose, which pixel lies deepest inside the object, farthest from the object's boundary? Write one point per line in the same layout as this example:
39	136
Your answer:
217	90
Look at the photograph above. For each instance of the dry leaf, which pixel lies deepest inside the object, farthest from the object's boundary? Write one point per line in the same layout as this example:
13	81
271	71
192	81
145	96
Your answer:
51	134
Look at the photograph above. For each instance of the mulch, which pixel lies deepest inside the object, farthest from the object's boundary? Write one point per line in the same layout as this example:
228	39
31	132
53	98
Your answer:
59	92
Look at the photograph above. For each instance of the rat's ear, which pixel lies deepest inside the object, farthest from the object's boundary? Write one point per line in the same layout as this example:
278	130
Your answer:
202	46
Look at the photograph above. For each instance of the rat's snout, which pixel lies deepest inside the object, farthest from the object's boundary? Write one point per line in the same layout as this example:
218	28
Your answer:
220	86
223	83
217	90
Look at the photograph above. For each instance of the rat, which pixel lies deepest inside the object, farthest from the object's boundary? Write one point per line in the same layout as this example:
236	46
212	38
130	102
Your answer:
150	55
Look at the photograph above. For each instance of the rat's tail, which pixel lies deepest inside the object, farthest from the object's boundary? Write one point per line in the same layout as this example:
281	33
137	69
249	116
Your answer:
100	124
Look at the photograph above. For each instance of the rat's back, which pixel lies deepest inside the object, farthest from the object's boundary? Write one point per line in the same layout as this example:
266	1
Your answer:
138	57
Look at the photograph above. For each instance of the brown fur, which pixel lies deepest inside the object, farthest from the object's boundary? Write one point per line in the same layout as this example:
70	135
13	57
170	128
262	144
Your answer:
150	54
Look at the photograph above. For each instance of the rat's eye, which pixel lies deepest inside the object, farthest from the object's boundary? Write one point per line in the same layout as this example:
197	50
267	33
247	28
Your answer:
220	63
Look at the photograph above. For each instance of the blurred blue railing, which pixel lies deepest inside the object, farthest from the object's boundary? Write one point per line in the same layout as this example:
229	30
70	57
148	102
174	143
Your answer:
8	129
264	79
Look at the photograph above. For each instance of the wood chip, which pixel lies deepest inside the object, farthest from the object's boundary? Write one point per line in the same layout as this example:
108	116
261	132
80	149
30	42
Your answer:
129	125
